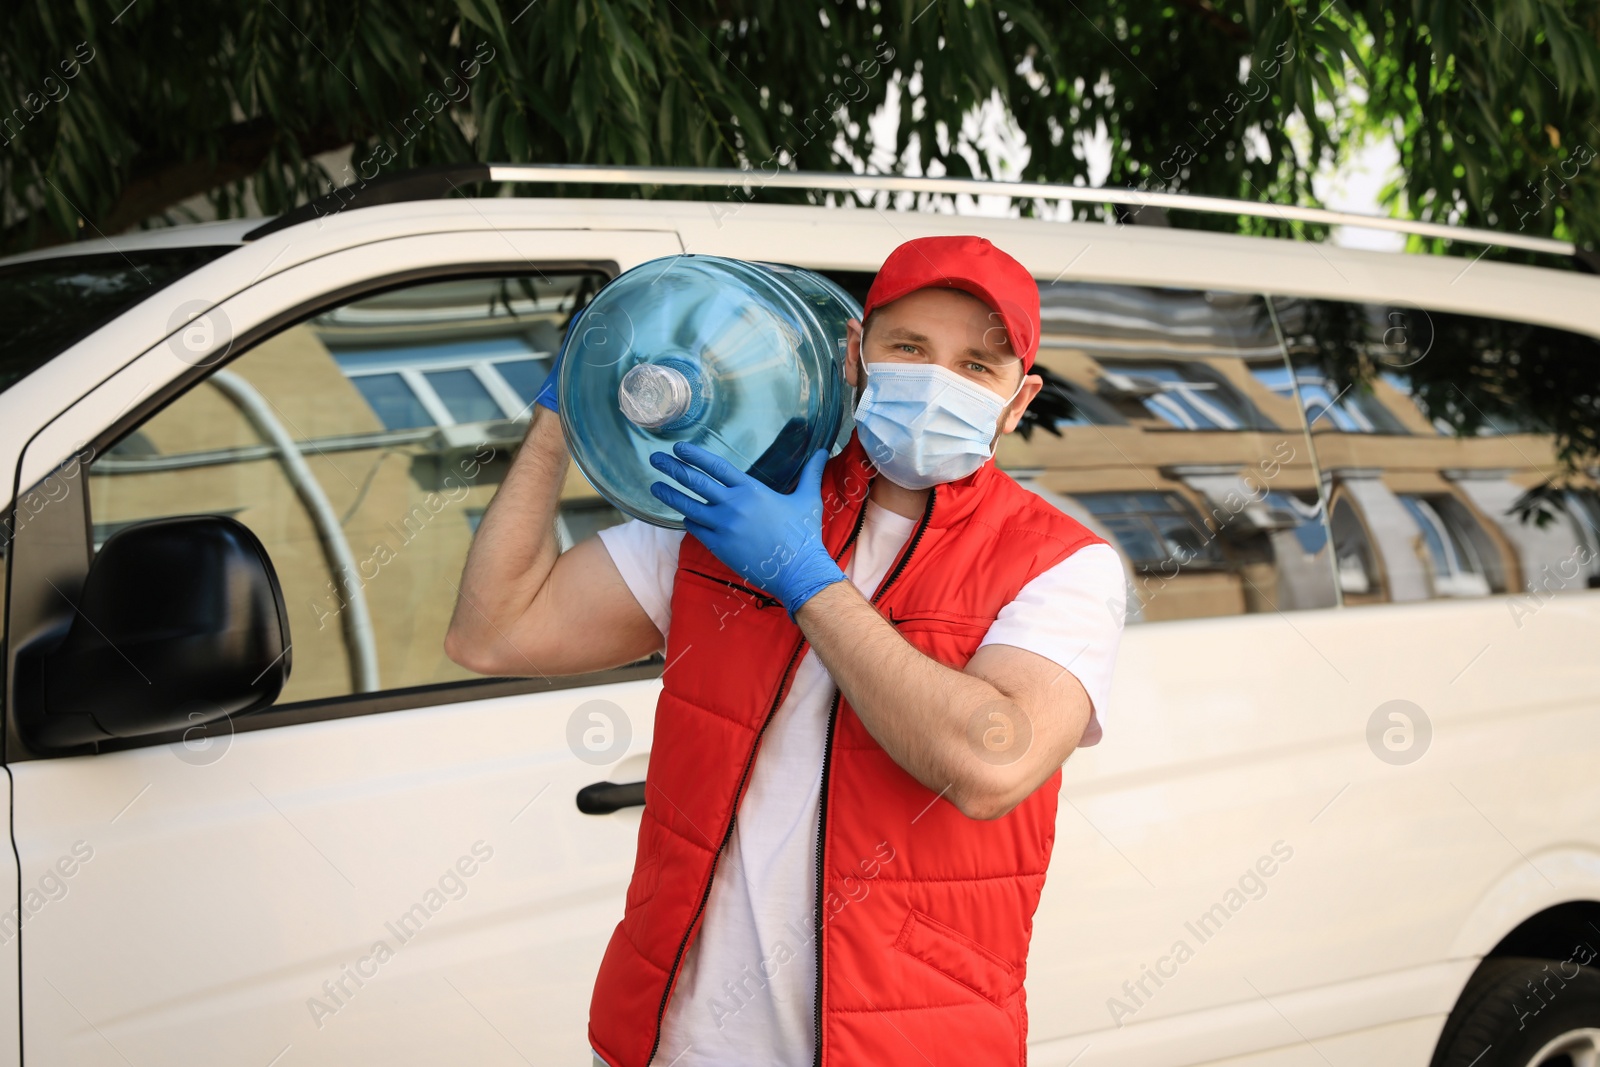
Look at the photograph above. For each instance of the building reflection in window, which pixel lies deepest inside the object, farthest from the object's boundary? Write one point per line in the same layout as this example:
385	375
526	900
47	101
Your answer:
1347	411
1462	557
405	408
1155	530
1359	578
1185	397
1156	431
1463	447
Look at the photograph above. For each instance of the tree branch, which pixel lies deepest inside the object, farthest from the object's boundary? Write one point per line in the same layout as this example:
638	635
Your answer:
157	184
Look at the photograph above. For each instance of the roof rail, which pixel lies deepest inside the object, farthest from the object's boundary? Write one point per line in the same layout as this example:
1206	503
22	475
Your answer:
423	183
431	182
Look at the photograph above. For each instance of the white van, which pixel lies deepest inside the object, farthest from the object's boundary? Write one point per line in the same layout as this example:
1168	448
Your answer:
1346	807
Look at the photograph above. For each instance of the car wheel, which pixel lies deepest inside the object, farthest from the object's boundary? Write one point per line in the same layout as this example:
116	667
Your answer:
1518	1012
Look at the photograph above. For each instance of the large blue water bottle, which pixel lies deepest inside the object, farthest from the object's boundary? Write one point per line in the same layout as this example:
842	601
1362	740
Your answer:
744	359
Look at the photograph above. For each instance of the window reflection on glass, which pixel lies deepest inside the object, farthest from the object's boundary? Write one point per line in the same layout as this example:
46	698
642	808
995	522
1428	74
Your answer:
1358	573
1301	514
1487	433
464	395
1186	399
1154	430
460	383
525	376
1154	528
1458	567
1348	410
393	401
406	408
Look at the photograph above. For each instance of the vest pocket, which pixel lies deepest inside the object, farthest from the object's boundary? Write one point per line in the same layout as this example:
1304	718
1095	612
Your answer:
733	589
957	957
911	620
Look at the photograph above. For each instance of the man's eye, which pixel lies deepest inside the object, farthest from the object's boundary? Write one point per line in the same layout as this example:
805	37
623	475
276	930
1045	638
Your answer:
978	367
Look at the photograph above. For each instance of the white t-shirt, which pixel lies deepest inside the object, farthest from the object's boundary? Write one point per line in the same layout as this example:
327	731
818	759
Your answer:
746	988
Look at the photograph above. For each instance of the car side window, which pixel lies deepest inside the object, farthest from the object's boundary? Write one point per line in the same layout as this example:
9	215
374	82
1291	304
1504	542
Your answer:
1158	429
361	446
1453	448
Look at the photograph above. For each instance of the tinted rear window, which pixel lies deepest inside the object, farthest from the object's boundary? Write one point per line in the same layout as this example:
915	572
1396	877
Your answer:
48	305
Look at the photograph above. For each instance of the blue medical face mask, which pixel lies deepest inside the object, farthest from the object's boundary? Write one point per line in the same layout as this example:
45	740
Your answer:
923	424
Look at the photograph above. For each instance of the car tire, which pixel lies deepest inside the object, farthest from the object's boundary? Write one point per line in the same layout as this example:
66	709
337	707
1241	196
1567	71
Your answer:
1522	1012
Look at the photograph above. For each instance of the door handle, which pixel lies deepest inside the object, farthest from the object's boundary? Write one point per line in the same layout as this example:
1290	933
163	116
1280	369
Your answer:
603	798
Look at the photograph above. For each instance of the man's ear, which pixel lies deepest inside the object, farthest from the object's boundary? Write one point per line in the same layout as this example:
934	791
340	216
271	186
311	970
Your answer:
1031	384
852	353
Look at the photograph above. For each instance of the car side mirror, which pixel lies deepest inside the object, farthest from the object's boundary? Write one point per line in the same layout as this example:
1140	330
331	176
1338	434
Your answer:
180	622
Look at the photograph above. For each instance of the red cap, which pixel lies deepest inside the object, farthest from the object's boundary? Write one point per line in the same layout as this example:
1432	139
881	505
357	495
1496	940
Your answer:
972	265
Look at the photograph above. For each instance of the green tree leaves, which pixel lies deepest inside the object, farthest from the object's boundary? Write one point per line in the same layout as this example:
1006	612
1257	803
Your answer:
1493	104
1496	110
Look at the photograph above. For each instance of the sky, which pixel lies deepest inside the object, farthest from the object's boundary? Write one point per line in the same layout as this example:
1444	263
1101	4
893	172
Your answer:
1353	186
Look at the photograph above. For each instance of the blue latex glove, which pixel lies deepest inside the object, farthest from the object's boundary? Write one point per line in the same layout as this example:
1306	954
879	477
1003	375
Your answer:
546	395
547	392
773	540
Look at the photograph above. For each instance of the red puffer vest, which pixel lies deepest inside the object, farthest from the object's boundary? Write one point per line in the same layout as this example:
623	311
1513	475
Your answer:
925	916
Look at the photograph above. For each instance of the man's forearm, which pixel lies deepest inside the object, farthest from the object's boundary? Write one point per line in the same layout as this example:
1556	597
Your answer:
516	544
917	708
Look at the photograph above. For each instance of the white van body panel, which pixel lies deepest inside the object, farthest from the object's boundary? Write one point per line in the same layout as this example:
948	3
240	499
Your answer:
222	896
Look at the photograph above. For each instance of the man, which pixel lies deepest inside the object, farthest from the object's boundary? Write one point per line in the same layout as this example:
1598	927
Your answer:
880	674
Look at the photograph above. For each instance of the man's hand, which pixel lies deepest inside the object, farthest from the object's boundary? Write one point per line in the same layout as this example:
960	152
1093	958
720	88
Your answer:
773	540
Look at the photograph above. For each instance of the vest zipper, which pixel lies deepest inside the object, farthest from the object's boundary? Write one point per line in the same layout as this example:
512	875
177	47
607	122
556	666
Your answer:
766	601
827	759
727	834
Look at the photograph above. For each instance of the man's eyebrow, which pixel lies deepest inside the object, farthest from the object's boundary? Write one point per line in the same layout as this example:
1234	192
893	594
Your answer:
905	333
